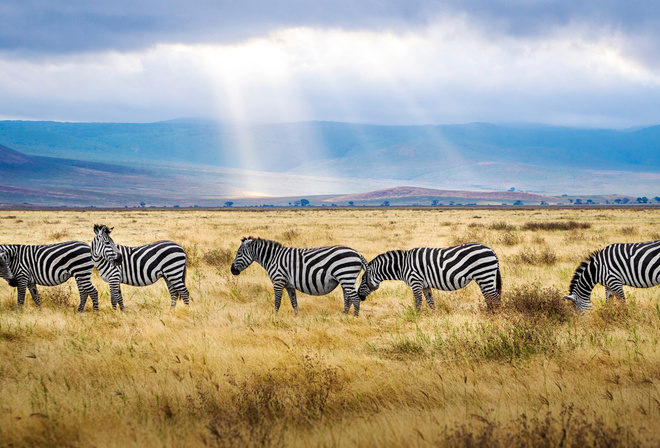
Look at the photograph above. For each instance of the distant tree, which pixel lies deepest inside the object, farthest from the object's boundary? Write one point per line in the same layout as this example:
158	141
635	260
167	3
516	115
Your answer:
656	199
512	189
625	200
142	204
589	201
229	203
304	202
643	200
518	203
578	201
617	200
435	202
385	204
351	203
296	204
570	201
544	203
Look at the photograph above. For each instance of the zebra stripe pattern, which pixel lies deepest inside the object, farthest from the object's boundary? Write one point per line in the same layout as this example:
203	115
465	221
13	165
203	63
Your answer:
49	265
139	266
630	264
315	271
446	269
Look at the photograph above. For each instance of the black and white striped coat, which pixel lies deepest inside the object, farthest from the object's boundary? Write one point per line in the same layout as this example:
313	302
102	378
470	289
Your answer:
315	271
446	269
630	264
50	265
139	265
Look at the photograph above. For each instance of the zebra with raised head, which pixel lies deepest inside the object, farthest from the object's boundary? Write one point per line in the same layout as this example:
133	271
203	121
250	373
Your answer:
315	271
139	265
50	265
446	269
630	264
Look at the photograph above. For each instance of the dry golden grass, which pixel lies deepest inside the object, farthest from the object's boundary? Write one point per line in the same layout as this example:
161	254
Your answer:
228	371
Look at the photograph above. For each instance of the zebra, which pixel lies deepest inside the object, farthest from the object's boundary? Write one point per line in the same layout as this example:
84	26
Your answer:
446	269
139	265
315	271
50	265
630	264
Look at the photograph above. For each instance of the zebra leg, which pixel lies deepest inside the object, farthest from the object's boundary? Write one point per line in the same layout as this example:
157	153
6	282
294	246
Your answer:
615	288
351	297
35	295
95	297
85	288
292	295
277	289
20	294
115	297
417	293
490	293
429	298
185	296
174	294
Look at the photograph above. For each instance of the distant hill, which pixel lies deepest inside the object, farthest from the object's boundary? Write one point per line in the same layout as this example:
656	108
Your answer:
411	193
194	160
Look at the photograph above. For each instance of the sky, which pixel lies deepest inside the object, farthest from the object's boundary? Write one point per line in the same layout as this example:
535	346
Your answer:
592	63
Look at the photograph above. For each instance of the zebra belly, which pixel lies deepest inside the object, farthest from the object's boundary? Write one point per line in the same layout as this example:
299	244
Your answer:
140	280
446	285
318	289
57	279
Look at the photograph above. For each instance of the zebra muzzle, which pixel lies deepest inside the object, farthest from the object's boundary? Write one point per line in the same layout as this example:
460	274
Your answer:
235	271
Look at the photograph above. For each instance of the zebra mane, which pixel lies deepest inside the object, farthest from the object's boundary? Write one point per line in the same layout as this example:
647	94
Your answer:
102	228
269	242
580	269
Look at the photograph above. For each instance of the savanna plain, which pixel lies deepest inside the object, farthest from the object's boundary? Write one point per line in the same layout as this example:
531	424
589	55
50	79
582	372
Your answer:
228	371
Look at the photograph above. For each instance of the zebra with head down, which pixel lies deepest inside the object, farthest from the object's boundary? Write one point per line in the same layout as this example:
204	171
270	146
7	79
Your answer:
446	269
616	265
316	271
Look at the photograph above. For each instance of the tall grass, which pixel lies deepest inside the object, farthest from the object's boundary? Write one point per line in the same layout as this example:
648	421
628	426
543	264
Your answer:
228	371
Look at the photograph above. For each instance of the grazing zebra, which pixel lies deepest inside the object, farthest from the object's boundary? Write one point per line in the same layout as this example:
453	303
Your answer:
446	269
315	271
630	264
50	265
139	265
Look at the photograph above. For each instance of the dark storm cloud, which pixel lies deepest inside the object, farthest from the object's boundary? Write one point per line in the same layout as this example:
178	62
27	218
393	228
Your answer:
44	26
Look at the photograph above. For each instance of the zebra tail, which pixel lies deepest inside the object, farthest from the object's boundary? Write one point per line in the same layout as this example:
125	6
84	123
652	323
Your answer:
365	265
498	283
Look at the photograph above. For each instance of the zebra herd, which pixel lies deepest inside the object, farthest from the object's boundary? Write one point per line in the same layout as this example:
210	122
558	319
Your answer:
316	271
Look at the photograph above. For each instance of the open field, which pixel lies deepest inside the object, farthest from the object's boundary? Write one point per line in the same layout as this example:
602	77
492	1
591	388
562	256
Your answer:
228	371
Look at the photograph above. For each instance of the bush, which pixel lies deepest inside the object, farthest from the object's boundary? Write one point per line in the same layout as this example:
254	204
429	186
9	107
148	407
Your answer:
556	225
536	257
536	302
502	225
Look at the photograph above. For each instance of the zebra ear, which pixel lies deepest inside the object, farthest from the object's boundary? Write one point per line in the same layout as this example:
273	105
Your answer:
97	229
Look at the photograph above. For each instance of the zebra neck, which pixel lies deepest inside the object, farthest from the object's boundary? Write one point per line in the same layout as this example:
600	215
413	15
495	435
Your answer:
584	280
389	266
267	255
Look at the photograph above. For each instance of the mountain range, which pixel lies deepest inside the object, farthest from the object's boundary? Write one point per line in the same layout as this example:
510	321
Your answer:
205	162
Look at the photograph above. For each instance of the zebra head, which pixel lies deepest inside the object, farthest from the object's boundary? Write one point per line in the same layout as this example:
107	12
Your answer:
244	256
368	284
103	248
580	304
582	284
5	272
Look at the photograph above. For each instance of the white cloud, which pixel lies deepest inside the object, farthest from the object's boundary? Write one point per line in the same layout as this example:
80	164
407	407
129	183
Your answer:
446	72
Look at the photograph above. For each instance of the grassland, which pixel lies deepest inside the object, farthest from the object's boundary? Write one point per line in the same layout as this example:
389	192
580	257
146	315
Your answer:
228	371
